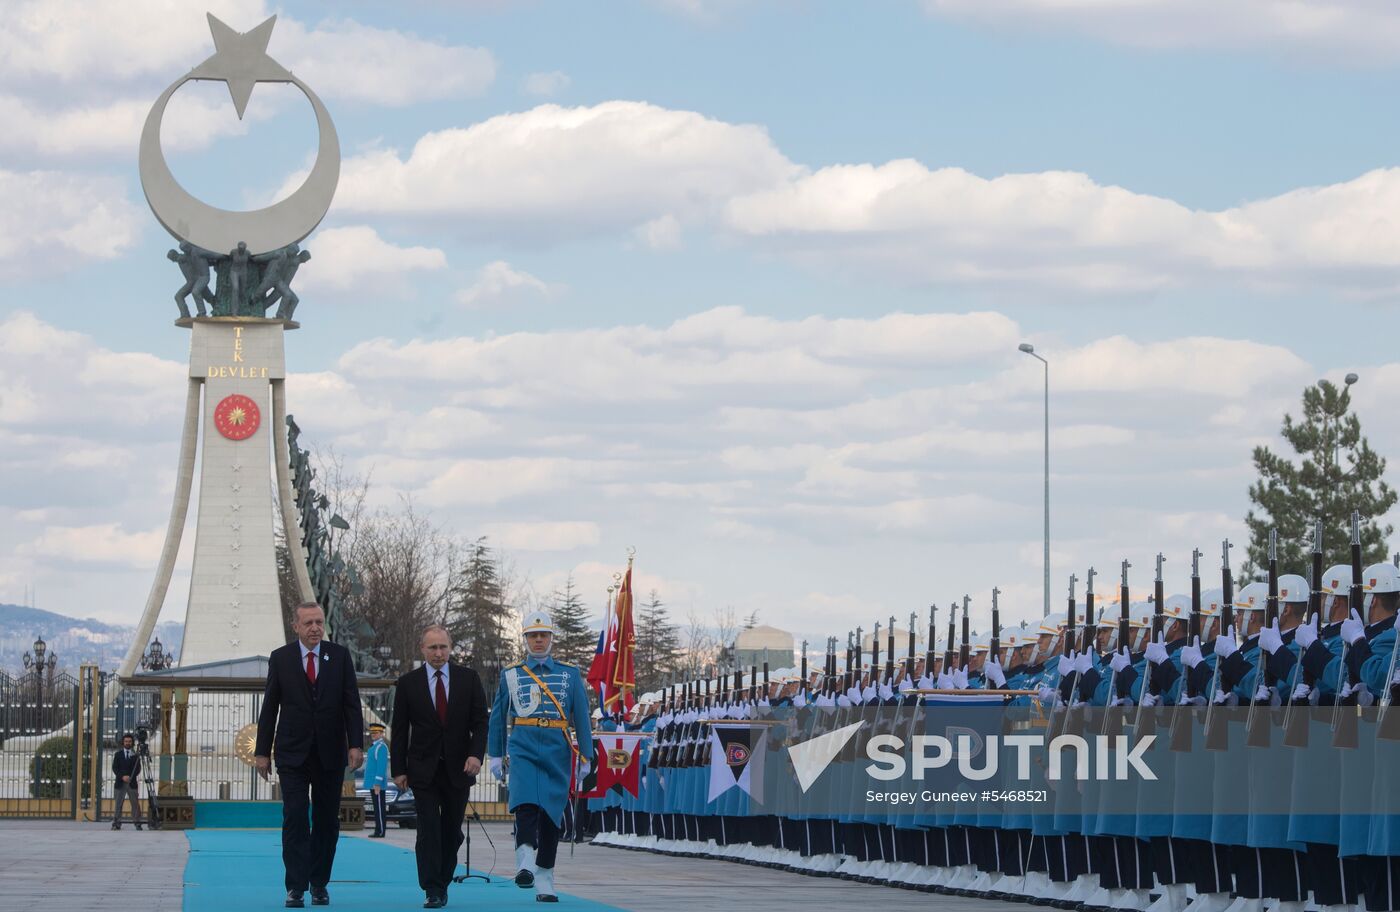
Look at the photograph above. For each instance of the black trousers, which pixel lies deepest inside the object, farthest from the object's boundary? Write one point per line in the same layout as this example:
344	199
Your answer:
533	827
308	851
440	807
380	810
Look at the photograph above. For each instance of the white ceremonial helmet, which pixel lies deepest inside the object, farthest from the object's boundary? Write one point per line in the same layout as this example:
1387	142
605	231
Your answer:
1337	580
1052	624
1177	607
1292	587
537	622
1210	602
1252	597
1378	579
1382	577
981	642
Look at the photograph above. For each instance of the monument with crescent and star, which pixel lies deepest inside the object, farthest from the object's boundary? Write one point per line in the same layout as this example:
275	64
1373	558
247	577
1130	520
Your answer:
235	397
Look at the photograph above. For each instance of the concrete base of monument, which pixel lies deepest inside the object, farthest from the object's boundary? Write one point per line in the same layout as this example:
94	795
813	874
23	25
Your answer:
187	322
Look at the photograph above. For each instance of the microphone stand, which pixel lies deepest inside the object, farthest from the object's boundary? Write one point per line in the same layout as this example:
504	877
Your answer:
467	847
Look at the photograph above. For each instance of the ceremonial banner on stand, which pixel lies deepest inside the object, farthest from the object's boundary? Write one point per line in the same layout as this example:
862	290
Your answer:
736	758
617	764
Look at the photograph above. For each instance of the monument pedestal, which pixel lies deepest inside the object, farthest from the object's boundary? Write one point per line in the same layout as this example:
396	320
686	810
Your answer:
234	606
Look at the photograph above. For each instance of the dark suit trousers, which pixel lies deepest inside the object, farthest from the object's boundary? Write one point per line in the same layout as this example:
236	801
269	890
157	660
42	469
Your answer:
308	852
440	808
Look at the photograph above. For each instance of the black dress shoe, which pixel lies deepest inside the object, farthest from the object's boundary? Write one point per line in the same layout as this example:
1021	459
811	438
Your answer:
524	879
319	897
546	897
294	900
434	902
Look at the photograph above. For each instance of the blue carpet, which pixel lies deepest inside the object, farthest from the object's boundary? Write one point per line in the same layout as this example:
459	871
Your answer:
242	869
238	815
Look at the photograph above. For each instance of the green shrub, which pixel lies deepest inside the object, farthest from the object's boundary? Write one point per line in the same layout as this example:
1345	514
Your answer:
53	766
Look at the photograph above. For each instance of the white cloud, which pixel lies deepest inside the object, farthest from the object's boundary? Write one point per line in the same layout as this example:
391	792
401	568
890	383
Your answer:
1061	229
545	84
555	172
77	77
498	282
543	536
344	59
1340	31
102	543
53	218
356	257
556	446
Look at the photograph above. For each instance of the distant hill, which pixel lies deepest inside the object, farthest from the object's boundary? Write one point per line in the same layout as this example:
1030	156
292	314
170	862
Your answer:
74	641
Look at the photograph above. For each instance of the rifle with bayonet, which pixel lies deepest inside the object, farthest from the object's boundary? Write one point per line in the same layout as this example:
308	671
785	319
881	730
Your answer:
1183	720
1344	717
1113	721
1146	722
1257	723
1217	724
1295	722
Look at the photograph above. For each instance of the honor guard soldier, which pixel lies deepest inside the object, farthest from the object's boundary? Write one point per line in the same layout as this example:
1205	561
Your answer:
376	775
540	734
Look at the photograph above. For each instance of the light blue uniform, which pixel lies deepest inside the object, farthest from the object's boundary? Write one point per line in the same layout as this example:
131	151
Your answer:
377	764
540	758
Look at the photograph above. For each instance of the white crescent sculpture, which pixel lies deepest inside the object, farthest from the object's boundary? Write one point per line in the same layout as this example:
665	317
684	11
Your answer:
241	60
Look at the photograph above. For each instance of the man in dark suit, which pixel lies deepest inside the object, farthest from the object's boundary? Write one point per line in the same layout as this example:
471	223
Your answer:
126	767
312	703
438	741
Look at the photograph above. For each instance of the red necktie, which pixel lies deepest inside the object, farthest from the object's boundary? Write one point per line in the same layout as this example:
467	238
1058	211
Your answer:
311	668
440	697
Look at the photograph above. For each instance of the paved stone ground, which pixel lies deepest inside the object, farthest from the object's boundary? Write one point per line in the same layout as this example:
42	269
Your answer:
63	865
59	864
645	882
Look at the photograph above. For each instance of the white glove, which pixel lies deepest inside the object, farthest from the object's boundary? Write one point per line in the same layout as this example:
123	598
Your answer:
1191	654
799	700
1301	692
960	679
1225	645
926	682
1149	700
1262	694
1120	660
853	694
497	769
945	681
867	693
906	685
1395	678
995	673
1047	695
1222	697
1352	628
886	692
1156	651
1083	662
583	767
1270	639
1066	665
1306	634
843	701
1122	701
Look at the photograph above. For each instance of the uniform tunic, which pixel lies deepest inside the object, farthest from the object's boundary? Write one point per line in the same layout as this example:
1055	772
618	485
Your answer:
540	758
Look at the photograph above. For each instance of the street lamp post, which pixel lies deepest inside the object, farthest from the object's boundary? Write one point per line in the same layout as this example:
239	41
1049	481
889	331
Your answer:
1030	350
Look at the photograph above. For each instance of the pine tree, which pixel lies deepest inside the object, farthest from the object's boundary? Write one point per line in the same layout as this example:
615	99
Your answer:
479	617
574	636
658	644
1338	473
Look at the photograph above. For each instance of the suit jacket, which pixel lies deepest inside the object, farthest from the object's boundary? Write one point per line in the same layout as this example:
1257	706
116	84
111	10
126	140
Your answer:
297	719
419	742
121	766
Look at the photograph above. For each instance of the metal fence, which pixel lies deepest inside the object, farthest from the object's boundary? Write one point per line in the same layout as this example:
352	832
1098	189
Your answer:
197	745
38	755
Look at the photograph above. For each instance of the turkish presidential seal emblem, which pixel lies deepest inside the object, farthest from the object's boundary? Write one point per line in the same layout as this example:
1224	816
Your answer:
237	417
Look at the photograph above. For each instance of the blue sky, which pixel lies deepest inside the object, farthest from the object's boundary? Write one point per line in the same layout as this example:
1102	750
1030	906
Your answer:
737	284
